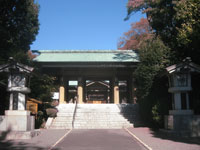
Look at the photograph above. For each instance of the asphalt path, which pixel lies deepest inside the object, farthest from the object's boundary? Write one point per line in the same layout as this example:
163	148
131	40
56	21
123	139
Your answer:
99	139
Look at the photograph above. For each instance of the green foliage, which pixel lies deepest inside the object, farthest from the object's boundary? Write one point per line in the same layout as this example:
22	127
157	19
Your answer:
18	26
154	56
177	22
42	86
156	104
188	37
39	120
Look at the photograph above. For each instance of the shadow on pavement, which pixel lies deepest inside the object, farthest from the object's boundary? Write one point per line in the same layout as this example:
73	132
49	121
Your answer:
168	136
14	145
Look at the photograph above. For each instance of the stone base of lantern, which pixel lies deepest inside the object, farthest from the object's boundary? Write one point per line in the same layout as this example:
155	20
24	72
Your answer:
181	112
17	124
183	125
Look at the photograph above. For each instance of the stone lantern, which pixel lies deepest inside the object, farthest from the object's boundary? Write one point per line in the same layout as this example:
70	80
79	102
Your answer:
180	85
17	118
181	116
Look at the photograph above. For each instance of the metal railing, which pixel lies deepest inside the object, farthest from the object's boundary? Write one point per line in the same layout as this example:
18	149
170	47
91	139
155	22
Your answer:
74	114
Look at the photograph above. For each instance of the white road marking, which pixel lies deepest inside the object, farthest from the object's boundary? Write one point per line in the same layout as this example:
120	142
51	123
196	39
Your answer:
145	145
60	139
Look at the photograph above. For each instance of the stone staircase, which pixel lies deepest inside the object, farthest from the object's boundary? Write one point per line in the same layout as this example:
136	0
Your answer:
64	117
95	116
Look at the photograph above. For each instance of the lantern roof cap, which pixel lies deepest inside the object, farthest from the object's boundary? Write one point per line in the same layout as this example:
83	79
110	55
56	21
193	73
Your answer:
15	66
185	65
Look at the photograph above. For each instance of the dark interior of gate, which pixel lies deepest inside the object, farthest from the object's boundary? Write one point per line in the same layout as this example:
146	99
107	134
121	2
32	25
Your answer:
97	91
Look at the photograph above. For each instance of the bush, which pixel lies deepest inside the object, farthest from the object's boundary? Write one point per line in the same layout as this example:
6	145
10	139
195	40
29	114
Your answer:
39	120
51	112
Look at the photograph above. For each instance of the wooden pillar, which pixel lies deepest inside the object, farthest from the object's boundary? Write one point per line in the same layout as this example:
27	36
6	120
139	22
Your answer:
111	100
116	91
80	91
84	91
62	92
66	91
62	95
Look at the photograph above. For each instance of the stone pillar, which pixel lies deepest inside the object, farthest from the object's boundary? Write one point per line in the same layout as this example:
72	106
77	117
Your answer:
21	101
177	101
11	102
80	91
116	91
187	101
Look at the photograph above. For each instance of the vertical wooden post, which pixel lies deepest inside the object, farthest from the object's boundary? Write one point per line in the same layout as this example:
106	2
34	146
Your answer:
80	91
62	92
116	91
62	95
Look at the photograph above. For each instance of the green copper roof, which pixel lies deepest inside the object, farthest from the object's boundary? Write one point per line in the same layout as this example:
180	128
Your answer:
86	56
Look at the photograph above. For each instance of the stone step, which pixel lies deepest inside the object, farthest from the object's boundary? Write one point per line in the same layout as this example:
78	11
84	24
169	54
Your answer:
61	123
102	124
63	119
58	127
95	116
102	120
64	114
101	127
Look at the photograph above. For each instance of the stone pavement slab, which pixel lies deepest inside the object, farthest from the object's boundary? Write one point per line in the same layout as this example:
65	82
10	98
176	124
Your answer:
159	141
99	139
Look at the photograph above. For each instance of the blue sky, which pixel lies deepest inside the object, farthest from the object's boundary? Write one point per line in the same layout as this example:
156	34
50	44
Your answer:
82	24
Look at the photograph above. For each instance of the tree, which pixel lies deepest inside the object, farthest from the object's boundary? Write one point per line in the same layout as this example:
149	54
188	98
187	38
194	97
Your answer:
19	26
188	36
42	85
151	87
139	32
154	57
177	22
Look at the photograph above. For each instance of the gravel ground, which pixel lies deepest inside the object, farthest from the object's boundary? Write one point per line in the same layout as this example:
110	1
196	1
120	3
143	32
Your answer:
159	141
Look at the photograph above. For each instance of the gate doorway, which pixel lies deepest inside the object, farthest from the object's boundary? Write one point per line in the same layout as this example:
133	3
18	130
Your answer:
97	92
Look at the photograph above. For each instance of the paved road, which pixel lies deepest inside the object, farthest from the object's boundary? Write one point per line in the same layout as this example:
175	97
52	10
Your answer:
99	140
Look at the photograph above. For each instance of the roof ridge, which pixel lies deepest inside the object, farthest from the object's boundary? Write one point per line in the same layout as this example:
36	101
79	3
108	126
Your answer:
82	51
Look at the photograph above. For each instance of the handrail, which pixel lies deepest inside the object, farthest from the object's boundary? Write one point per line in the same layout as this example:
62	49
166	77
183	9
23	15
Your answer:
74	113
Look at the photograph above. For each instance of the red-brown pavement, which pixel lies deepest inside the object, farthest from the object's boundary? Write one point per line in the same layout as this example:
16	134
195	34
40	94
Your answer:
158	140
99	139
102	140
